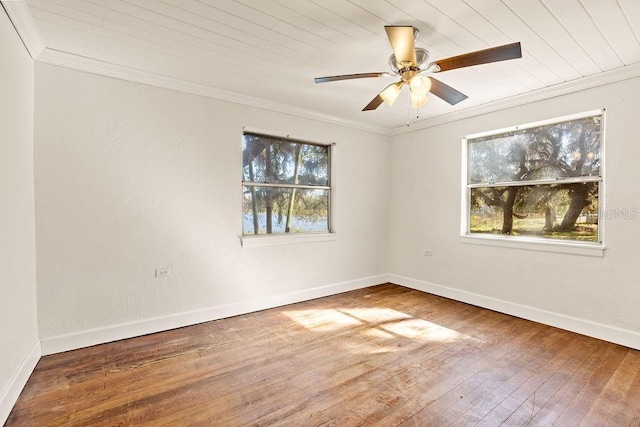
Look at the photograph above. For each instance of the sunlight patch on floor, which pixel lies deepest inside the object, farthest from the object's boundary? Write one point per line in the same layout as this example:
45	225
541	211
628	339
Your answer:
322	320
369	348
378	333
421	330
375	315
384	328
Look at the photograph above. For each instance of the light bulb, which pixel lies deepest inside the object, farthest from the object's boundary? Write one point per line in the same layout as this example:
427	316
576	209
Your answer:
420	85
391	92
418	100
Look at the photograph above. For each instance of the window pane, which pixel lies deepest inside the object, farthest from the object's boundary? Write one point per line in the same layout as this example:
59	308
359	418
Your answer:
279	161
558	211
270	210
566	149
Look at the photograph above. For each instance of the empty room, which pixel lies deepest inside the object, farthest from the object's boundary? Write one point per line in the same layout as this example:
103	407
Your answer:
308	212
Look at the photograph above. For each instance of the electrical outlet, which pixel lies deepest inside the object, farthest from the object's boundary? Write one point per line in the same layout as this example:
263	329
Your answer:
163	272
428	252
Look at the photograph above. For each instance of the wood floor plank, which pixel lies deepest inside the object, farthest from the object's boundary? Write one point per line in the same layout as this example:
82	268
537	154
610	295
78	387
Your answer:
380	356
616	389
588	394
630	415
475	398
546	383
450	406
386	362
593	352
450	373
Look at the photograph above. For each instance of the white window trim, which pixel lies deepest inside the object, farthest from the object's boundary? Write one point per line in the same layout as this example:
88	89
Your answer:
572	247
263	240
254	241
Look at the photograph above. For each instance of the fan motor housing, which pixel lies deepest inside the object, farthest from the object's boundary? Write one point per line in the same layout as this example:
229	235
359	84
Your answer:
422	60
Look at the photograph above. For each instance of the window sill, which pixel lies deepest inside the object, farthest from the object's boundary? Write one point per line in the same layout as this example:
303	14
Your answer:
571	248
285	239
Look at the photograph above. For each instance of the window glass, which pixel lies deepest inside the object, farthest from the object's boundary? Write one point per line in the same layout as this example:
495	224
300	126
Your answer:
537	181
557	151
286	185
538	211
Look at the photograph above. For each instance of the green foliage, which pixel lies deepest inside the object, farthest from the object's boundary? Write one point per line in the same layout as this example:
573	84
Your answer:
560	151
284	162
534	227
309	205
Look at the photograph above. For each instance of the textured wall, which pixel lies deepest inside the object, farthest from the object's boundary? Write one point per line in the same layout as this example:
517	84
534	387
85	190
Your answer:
425	213
130	178
18	327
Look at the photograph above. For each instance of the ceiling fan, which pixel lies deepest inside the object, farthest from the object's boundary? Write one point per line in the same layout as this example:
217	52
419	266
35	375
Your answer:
410	63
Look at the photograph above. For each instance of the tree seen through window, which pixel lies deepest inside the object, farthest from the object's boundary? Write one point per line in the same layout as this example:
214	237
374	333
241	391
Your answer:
286	185
541	181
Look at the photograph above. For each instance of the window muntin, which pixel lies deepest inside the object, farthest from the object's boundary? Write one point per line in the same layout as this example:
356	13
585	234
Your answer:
537	181
286	185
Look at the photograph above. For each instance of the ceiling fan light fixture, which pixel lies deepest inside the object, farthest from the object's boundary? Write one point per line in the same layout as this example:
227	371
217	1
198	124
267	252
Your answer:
420	85
410	63
418	101
391	93
393	64
422	61
422	58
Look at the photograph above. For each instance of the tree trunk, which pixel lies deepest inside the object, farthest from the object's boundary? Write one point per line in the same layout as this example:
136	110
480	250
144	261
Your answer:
579	199
549	218
507	211
268	197
292	198
254	203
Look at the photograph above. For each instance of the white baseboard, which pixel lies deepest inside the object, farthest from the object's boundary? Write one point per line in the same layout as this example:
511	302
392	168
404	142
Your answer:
110	333
18	380
60	343
612	334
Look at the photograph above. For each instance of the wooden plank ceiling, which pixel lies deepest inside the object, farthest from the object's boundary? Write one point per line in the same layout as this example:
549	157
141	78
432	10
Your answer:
270	50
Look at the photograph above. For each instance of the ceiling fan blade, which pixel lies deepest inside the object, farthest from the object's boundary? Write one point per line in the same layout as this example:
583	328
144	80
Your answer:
350	76
446	92
403	45
485	56
375	103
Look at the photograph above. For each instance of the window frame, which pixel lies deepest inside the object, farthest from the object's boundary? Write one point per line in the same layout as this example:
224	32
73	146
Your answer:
577	247
257	240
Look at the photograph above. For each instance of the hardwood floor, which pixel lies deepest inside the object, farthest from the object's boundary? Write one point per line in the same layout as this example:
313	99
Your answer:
380	356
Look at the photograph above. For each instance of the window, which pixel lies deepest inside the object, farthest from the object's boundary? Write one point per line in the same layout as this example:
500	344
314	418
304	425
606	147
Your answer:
286	185
536	181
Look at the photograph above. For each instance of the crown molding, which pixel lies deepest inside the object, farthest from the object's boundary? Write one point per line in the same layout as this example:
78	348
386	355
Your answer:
588	82
81	63
20	15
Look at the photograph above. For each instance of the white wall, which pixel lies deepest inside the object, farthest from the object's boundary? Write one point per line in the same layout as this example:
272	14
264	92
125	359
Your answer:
130	178
598	296
19	349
